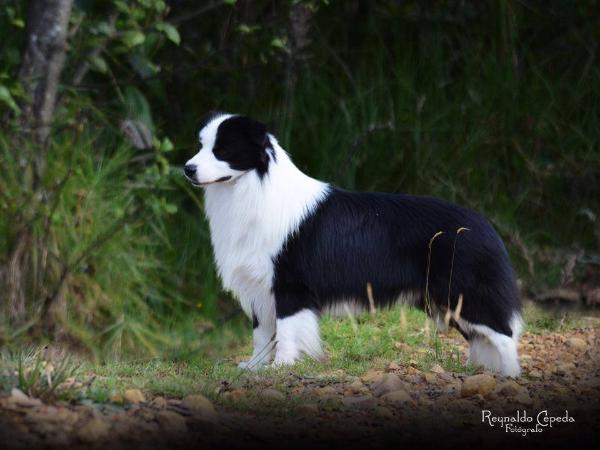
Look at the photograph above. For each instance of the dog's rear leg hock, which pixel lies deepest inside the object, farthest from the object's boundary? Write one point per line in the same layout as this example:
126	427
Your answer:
298	334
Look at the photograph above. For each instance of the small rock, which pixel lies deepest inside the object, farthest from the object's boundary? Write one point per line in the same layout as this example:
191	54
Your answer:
93	431
236	394
393	366
436	368
362	401
308	409
272	394
430	378
535	373
511	388
524	398
18	398
372	376
565	368
145	414
171	421
398	397
453	387
384	412
201	407
478	384
576	344
356	387
326	391
446	377
134	396
388	383
158	403
424	401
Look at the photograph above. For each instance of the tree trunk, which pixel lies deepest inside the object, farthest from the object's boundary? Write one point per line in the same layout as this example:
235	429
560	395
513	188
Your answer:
42	63
43	60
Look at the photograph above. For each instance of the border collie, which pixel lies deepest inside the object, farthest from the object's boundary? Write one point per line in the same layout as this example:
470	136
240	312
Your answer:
290	247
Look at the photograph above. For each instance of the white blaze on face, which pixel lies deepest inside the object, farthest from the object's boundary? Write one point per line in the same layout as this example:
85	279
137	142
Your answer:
208	168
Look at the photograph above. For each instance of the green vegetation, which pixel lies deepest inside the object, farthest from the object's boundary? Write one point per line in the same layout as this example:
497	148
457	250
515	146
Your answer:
103	246
400	335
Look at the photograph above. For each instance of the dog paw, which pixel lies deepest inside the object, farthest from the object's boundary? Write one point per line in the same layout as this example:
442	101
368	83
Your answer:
244	364
251	365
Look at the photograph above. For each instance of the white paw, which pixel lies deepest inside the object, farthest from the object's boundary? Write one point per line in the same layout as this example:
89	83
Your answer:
252	364
244	364
284	360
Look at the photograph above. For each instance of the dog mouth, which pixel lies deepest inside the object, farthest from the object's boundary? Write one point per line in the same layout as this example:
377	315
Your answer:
218	180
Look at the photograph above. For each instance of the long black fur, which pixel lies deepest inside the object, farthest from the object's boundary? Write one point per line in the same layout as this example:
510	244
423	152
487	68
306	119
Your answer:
352	239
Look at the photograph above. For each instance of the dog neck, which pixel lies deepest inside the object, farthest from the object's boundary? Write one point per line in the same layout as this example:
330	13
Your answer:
255	215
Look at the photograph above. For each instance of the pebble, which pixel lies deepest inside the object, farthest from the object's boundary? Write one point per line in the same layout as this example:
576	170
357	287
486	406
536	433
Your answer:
308	409
565	368
430	378
356	387
372	376
201	407
272	394
478	384
362	402
576	343
158	403
398	397
511	388
535	373
524	398
326	392
388	383
384	412
134	396
171	421
436	368
93	431
20	399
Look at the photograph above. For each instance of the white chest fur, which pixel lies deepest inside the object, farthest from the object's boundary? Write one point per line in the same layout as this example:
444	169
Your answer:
250	220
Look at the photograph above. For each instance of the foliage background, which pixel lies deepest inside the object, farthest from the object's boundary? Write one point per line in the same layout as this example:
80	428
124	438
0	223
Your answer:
491	104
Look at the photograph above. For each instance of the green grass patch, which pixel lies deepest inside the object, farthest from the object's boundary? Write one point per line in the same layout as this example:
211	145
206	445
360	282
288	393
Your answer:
354	345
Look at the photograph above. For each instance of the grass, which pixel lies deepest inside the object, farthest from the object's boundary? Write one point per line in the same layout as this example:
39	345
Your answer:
354	346
544	319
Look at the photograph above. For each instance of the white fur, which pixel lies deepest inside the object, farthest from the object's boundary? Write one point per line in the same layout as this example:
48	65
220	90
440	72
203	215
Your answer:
492	350
264	344
250	219
297	335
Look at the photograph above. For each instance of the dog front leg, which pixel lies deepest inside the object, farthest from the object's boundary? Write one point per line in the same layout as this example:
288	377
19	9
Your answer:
263	336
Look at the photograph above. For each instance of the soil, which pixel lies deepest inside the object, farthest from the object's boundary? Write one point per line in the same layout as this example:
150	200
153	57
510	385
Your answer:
381	409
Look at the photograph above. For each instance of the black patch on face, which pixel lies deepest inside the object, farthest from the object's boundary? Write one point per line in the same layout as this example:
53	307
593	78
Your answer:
254	321
242	143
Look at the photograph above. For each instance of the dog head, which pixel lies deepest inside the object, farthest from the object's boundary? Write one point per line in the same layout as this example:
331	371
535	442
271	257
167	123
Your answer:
230	146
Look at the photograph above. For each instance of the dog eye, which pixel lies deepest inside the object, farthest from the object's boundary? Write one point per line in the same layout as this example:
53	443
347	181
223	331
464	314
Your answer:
219	151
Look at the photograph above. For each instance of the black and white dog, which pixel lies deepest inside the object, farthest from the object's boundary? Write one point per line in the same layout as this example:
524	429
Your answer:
289	247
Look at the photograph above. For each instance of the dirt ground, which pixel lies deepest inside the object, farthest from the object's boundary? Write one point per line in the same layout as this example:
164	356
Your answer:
380	409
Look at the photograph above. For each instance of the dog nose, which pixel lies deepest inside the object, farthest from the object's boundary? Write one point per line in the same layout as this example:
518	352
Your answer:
189	170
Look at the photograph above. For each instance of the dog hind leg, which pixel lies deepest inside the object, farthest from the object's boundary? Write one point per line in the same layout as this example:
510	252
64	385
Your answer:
298	334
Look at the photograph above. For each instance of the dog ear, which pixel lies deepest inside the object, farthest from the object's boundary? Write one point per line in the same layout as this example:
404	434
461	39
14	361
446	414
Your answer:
210	115
255	131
